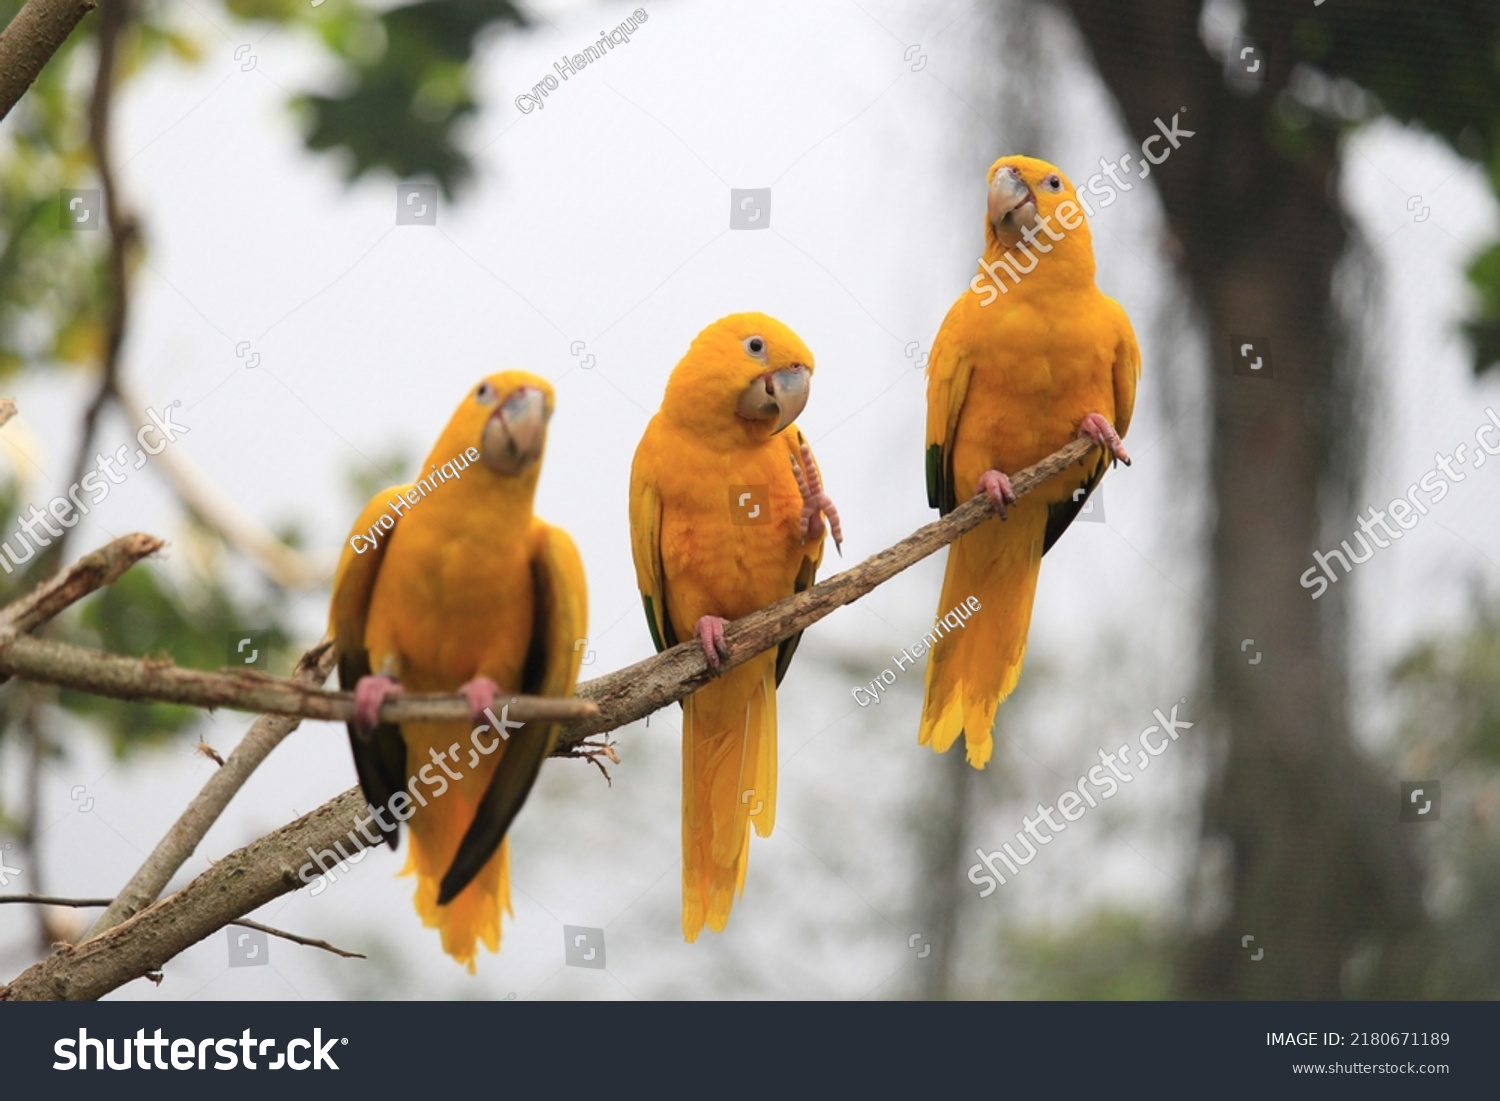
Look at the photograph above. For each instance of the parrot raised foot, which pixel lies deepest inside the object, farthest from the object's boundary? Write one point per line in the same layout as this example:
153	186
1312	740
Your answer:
816	504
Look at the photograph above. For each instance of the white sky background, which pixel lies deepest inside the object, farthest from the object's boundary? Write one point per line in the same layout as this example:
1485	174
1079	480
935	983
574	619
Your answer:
604	218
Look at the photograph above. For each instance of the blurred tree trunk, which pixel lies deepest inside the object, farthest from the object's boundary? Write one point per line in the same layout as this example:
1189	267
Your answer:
1318	871
942	821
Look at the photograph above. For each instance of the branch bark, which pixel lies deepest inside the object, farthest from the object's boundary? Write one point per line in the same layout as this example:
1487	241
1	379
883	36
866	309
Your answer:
29	41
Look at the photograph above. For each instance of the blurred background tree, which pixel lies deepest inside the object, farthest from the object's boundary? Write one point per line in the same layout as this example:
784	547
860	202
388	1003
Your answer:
1317	857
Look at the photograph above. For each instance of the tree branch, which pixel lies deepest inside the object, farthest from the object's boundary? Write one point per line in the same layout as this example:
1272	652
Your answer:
281	861
29	41
182	840
90	573
242	882
101	674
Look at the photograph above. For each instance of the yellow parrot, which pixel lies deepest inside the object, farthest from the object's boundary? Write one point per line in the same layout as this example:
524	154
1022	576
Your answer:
727	514
452	584
1032	355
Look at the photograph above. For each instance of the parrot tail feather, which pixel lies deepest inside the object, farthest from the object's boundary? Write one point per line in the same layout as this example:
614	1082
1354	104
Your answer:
728	785
473	915
973	668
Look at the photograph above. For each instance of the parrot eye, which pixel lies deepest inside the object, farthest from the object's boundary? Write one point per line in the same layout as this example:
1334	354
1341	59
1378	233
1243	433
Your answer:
486	394
1053	182
755	346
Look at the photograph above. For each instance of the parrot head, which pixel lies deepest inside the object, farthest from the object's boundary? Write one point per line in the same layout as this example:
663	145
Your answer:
505	418
1030	200
746	373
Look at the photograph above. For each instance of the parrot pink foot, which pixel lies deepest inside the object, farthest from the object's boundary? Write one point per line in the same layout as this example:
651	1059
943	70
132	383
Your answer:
711	635
369	694
996	487
815	502
1098	429
481	692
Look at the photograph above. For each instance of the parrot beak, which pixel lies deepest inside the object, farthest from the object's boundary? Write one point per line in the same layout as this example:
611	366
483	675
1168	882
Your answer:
1012	206
515	433
778	396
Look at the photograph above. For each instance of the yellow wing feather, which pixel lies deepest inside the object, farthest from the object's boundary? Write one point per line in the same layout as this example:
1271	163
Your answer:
948	369
645	549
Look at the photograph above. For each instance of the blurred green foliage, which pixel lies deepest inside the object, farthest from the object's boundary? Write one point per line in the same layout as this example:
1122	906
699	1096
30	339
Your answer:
406	81
1449	689
1110	955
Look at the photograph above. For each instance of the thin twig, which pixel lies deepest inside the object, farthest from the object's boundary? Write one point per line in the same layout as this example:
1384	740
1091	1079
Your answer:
311	942
244	923
29	41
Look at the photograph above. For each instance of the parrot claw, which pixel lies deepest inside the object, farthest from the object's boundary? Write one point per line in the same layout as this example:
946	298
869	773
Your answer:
816	504
369	693
481	692
1097	428
996	486
711	635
